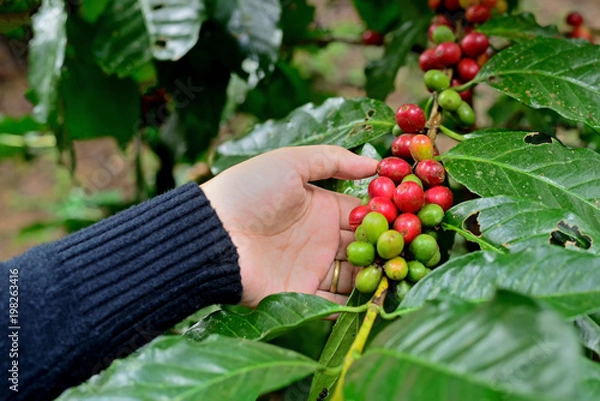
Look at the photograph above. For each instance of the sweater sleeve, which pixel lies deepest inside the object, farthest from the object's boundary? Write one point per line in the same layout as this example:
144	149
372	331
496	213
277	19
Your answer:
105	291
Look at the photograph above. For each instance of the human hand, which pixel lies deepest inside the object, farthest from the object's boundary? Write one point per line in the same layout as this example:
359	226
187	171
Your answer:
287	231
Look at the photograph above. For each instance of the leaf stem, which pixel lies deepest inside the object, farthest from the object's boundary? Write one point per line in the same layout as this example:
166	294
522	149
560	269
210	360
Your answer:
465	86
374	307
397	313
451	134
353	309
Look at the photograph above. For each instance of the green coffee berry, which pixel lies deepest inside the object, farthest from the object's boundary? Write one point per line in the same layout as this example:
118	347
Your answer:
390	244
436	80
396	269
423	247
360	253
360	234
416	271
396	130
431	215
442	34
465	114
432	233
402	289
368	279
413	178
449	100
374	224
435	259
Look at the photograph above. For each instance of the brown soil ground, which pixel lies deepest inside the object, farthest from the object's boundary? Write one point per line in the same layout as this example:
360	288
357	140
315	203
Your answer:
30	192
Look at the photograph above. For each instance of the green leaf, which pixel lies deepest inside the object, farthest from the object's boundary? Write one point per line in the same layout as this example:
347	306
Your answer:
338	121
381	73
91	10
15	6
378	15
19	125
296	16
339	342
511	348
278	94
535	73
132	32
588	328
359	188
507	223
218	368
95	104
274	315
531	166
567	280
198	86
518	27
46	56
253	24
589	386
509	113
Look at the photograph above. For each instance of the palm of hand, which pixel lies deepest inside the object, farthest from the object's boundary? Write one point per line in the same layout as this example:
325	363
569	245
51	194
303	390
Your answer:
295	252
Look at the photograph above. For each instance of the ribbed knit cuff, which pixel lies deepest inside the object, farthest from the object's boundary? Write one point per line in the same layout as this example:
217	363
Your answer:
170	249
136	274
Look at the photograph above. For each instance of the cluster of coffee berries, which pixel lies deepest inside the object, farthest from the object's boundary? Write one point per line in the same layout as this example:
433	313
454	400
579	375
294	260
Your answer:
579	30
395	231
456	48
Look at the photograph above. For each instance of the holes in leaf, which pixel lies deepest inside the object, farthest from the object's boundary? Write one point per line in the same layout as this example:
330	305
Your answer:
370	114
161	43
569	235
471	224
537	138
157	7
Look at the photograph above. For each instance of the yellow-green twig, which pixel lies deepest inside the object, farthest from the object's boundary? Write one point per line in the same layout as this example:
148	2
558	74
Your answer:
358	345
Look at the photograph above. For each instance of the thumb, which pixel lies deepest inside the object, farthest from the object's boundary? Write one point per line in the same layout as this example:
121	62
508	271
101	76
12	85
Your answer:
320	162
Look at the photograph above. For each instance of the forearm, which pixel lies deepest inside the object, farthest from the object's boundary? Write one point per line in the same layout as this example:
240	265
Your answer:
101	293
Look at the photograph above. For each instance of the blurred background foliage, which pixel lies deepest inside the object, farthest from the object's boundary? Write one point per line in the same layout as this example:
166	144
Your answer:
133	97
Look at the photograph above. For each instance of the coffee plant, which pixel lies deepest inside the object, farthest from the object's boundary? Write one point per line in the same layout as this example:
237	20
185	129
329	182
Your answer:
481	274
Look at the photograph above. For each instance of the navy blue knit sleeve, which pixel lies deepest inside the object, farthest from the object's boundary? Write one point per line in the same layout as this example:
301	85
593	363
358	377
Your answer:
103	292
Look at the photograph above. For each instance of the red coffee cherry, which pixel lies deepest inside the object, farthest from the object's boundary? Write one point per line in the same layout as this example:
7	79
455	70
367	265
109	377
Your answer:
441	19
410	118
384	206
489	4
394	168
372	38
477	14
409	226
428	61
382	187
467	95
468	69
440	195
582	32
452	5
574	19
448	53
474	44
409	197
400	146
434	4
357	215
421	147
431	172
